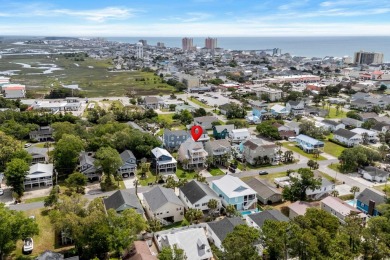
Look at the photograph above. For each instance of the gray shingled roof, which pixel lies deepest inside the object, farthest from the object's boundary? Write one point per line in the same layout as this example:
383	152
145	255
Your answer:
273	214
262	189
344	133
194	191
220	128
373	171
330	122
126	155
368	194
120	198
159	196
225	226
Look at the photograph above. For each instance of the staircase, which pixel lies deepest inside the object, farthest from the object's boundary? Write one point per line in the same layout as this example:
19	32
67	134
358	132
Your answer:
163	221
248	204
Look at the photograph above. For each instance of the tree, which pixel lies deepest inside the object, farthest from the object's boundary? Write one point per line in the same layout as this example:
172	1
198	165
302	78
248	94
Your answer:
52	199
354	115
8	146
334	193
308	128
77	181
154	225
212	205
15	173
14	225
299	185
288	156
66	153
124	228
354	189
357	156
313	165
175	253
231	211
239	244
276	237
110	160
267	129
193	215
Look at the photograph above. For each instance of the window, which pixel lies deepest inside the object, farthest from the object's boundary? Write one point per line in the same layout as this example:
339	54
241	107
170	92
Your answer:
167	212
204	204
196	205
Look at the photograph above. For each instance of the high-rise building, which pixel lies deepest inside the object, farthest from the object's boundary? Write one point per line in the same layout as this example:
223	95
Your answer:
365	57
160	44
276	52
144	42
140	50
187	44
210	43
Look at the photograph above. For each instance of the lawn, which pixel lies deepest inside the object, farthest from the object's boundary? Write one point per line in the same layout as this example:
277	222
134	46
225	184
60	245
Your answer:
333	114
185	174
269	177
35	199
150	178
381	188
215	171
291	146
175	124
333	149
42	145
167	117
46	238
334	166
92	76
195	101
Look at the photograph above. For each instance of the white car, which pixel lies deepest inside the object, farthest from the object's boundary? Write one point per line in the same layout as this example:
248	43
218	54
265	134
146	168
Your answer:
27	145
1	192
28	245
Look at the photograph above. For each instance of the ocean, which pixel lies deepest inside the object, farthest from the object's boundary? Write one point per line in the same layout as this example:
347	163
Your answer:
297	46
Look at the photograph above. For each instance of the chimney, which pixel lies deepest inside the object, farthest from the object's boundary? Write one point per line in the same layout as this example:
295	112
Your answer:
371	207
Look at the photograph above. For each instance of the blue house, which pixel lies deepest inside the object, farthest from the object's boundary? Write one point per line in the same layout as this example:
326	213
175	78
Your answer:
234	191
368	200
163	161
258	109
308	144
173	139
279	110
222	131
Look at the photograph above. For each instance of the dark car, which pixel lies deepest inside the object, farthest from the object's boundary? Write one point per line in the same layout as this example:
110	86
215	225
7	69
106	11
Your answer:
232	170
263	173
234	166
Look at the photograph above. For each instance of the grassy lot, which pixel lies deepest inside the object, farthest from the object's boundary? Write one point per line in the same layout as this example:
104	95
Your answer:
42	242
185	174
215	171
122	185
150	177
332	113
194	100
291	146
334	166
167	117
175	124
381	188
176	225
92	76
35	199
333	149
268	177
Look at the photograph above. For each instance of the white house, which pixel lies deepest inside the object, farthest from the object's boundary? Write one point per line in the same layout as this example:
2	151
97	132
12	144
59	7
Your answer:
331	125
374	174
295	107
347	137
14	91
192	241
239	135
163	204
195	194
340	209
39	174
371	135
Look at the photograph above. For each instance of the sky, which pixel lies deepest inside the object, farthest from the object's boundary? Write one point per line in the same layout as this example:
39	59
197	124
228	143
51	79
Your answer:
196	18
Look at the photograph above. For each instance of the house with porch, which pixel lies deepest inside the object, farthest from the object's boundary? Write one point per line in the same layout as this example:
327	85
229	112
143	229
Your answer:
39	175
371	135
151	102
255	151
218	149
341	209
347	137
368	201
87	165
162	204
163	161
308	144
266	194
234	191
332	126
295	107
239	135
129	164
258	109
192	154
279	110
42	134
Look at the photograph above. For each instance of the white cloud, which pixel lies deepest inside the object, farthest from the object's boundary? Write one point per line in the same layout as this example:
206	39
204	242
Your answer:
293	4
98	15
201	29
190	17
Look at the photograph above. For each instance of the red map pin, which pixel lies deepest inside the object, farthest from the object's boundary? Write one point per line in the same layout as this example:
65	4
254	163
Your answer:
196	132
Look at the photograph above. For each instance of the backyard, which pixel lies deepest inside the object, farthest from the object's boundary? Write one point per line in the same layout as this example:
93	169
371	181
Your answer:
333	149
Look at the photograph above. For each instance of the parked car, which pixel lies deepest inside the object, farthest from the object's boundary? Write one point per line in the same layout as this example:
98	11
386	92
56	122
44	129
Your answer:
263	173
234	166
1	192
27	145
28	245
232	170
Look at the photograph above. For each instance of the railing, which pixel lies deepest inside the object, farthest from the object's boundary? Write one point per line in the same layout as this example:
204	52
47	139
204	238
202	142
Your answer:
248	204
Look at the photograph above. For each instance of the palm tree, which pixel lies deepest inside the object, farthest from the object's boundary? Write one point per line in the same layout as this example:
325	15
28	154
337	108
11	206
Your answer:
365	138
354	189
213	205
231	211
337	109
334	193
383	149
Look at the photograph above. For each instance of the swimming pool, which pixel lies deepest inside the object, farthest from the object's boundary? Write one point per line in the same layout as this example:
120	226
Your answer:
351	202
247	212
